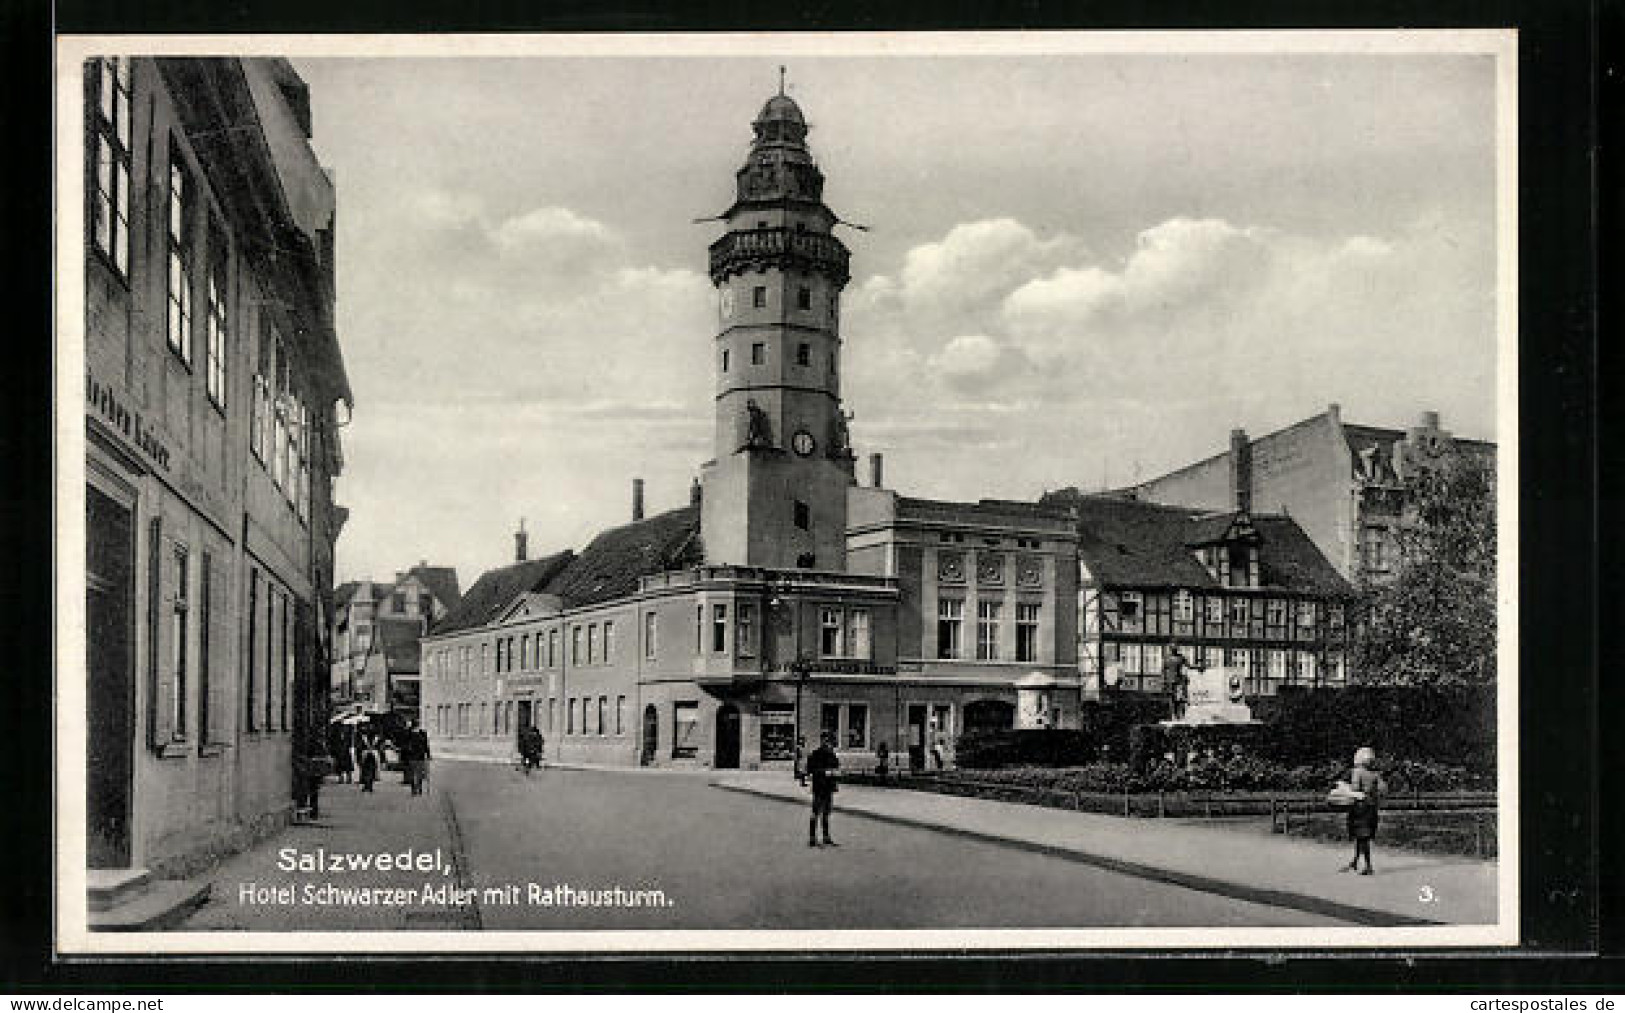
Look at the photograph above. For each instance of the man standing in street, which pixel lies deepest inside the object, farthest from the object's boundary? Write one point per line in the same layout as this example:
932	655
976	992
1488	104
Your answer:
821	767
415	751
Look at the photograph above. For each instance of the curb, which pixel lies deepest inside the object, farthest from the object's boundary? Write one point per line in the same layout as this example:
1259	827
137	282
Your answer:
1308	903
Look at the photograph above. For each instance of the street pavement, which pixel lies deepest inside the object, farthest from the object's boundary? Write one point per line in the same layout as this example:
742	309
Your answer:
250	892
703	850
1234	858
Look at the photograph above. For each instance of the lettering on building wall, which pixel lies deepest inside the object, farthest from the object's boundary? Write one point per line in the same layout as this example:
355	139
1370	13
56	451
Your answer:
842	668
124	421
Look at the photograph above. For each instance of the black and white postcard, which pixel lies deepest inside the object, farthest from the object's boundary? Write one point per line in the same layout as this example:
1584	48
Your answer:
865	492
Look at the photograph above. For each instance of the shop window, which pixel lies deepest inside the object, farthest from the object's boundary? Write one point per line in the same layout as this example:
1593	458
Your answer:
857	726
685	730
1215	610
829	720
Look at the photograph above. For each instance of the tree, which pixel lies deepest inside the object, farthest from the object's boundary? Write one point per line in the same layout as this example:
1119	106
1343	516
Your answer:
1434	624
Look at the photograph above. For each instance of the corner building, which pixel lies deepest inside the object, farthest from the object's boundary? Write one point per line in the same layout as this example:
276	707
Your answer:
784	598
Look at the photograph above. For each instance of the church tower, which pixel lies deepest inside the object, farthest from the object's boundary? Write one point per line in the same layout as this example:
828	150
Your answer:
775	492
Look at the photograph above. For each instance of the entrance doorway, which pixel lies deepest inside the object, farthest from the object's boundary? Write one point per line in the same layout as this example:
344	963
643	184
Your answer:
110	679
727	737
525	719
651	736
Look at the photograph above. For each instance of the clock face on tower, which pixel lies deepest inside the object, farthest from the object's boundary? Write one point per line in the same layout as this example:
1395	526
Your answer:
803	443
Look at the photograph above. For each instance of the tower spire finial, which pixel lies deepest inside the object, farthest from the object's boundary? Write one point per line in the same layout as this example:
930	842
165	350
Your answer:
781	79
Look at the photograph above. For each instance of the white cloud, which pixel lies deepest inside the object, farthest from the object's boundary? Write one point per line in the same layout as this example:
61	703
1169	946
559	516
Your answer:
551	225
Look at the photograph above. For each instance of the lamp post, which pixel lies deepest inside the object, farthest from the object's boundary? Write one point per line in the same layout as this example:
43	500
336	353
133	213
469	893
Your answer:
800	669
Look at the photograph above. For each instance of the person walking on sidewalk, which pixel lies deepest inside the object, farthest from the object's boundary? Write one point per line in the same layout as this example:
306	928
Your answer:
1363	814
368	756
415	752
531	747
821	767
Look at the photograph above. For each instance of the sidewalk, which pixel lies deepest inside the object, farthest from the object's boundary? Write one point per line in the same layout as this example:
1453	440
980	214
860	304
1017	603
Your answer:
1242	860
250	891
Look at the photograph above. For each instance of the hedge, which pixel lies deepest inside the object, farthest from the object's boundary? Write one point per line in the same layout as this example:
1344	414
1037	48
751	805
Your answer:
1451	725
1428	732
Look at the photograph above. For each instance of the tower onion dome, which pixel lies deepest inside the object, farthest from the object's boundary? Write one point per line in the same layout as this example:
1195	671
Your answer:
781	124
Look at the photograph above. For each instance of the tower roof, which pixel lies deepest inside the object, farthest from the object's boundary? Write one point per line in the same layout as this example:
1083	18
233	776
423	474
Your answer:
781	108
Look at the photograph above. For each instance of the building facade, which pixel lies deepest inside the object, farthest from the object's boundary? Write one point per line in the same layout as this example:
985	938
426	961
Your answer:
784	599
362	675
213	375
1248	593
1343	483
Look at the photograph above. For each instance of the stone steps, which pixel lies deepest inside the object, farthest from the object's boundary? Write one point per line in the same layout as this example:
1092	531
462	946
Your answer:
130	900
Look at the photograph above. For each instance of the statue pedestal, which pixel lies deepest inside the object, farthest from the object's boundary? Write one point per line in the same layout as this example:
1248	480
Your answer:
1214	697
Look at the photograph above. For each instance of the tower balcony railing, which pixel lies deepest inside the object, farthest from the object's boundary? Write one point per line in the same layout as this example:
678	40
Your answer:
746	250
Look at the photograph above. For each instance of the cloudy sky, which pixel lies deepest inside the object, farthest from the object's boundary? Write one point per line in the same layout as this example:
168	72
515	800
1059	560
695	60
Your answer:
1081	269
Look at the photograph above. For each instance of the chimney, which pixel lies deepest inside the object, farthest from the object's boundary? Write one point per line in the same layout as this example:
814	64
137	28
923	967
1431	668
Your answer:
637	499
1334	411
877	470
1241	471
519	543
694	493
1429	421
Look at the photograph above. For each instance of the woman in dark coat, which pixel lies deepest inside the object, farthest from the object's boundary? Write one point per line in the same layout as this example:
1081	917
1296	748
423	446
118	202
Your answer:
1363	814
371	759
338	744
